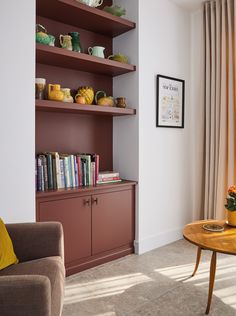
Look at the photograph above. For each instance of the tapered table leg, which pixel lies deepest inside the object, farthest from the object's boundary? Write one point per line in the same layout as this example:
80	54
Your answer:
199	252
211	281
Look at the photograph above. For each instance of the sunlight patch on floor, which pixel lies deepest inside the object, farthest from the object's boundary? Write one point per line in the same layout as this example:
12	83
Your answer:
84	291
224	272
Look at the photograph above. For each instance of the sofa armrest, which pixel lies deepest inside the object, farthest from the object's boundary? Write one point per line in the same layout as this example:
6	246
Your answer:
37	240
25	295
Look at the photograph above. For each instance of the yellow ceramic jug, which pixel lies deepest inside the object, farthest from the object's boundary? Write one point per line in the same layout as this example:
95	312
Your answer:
55	93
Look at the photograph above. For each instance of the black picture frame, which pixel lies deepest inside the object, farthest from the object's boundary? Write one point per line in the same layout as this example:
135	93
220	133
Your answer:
170	102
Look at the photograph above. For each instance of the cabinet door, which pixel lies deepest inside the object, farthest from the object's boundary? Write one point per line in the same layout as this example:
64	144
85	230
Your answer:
75	216
112	220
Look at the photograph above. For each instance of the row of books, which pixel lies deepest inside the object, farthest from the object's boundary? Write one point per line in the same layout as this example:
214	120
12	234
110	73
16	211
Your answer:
57	171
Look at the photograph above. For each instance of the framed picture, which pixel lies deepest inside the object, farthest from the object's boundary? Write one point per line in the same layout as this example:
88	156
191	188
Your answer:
170	102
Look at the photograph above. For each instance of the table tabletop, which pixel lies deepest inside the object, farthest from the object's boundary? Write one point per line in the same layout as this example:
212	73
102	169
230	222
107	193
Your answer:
224	242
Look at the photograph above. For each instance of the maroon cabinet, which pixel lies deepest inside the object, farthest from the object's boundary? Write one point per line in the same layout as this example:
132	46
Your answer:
98	222
112	218
75	216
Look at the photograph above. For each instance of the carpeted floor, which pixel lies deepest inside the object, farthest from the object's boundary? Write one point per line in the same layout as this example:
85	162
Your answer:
156	283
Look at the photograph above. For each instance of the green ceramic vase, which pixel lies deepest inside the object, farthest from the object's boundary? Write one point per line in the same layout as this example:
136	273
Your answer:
76	42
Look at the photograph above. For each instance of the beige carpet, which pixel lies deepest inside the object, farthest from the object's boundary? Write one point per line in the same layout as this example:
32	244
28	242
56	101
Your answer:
155	283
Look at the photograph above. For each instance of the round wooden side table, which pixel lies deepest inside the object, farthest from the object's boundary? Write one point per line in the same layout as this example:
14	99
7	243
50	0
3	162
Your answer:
224	242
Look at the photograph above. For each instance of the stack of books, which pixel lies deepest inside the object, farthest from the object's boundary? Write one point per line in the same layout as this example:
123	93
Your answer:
108	177
61	171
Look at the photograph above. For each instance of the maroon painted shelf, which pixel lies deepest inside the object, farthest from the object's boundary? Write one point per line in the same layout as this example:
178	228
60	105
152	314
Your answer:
74	13
54	106
86	190
60	57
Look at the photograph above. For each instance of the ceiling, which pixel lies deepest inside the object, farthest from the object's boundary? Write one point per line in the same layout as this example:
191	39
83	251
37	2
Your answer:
191	5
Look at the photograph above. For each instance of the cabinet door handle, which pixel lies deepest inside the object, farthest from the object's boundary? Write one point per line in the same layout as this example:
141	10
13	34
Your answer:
95	201
86	202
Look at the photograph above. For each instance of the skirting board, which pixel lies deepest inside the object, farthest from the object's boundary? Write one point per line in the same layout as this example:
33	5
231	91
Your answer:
156	241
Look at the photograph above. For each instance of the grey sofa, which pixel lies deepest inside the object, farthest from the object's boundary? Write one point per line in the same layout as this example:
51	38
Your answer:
35	286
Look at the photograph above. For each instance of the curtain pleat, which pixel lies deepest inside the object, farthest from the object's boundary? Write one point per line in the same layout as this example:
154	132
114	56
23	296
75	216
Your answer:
219	105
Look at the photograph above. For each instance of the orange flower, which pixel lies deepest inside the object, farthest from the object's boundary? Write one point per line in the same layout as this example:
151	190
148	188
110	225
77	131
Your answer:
232	189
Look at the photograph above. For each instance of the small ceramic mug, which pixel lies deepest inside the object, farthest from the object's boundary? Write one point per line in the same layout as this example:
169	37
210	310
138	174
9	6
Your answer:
121	102
40	87
97	51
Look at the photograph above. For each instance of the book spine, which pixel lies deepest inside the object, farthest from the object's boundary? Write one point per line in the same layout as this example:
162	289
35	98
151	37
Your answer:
108	179
50	171
76	172
45	173
72	170
93	170
54	173
108	175
78	160
83	168
62	173
67	172
39	172
58	171
97	167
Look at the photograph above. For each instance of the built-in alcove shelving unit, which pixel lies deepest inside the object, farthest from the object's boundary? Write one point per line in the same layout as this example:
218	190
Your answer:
98	221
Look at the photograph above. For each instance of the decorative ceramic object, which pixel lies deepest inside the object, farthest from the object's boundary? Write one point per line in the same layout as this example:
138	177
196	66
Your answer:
121	102
55	93
88	93
65	41
80	99
91	3
231	218
119	57
41	35
76	45
97	51
96	3
115	10
40	85
67	96
52	40
102	99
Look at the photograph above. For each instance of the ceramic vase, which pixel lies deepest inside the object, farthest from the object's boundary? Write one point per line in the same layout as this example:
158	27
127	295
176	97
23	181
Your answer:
76	44
231	218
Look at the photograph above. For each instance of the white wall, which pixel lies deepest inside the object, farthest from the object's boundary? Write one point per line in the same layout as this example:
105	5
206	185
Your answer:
125	131
17	131
165	154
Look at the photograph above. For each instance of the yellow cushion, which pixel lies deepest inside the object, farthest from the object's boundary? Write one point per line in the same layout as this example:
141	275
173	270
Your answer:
7	254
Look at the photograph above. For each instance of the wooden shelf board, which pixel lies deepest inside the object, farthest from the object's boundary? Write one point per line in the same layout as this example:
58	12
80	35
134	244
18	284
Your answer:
60	57
86	190
54	106
74	13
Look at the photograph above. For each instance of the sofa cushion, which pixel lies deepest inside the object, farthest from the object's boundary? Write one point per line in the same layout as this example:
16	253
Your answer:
7	254
51	267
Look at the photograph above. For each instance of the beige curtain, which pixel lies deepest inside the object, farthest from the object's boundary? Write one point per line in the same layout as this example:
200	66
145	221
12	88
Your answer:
219	105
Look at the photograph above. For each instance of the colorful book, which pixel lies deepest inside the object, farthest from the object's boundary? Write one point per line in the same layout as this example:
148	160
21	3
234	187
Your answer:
87	158
62	172
72	166
110	181
49	171
67	173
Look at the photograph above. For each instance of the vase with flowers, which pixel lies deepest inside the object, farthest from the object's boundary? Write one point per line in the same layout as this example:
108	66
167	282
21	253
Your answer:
231	206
